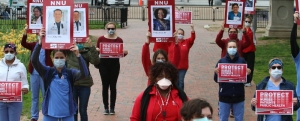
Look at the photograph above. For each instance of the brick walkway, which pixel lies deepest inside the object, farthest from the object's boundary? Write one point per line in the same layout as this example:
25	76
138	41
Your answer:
132	79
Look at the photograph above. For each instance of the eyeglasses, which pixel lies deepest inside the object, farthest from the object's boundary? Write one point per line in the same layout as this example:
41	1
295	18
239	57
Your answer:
248	21
274	67
110	28
9	52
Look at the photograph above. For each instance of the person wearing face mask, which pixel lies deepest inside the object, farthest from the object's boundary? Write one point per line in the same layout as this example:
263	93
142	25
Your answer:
58	102
249	52
196	110
12	70
36	82
82	87
159	56
295	53
109	69
162	99
275	82
185	45
231	95
233	35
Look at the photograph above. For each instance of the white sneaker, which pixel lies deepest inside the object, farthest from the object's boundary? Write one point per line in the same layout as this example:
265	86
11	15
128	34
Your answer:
248	85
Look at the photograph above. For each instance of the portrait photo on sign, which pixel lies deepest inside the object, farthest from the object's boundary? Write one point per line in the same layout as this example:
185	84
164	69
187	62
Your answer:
249	5
58	24
36	16
161	21
79	22
234	12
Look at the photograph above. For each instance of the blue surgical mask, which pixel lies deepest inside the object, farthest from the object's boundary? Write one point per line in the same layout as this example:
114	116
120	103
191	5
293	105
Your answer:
59	63
80	46
111	31
202	119
231	51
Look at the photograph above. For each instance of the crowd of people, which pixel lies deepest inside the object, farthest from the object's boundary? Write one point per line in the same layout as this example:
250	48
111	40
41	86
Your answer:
65	81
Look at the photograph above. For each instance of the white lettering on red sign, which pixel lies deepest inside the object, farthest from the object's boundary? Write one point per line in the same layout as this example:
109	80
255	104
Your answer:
63	2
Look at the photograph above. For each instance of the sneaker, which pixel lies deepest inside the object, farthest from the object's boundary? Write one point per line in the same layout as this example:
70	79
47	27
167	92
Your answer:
248	85
112	112
33	120
106	112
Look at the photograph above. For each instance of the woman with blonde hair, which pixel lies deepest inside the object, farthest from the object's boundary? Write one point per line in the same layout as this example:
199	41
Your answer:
109	69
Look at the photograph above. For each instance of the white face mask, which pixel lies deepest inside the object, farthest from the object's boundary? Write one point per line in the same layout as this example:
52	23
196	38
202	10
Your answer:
247	24
180	37
164	83
202	119
9	56
59	63
276	73
159	61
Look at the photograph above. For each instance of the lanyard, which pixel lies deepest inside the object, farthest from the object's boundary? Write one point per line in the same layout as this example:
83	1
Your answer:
164	104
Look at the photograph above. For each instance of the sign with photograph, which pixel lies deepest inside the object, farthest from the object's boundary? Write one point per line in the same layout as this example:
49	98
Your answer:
80	22
161	20
111	50
58	23
232	73
274	102
34	16
10	91
297	9
234	13
250	6
183	17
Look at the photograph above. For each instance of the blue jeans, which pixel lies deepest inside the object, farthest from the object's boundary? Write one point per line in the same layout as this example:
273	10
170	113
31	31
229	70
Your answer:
181	78
10	111
37	84
238	111
50	118
83	94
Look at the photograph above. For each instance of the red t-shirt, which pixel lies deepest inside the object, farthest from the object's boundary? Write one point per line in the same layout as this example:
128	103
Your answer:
170	110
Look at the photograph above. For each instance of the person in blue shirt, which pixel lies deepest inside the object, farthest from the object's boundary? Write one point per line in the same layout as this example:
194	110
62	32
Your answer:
58	103
231	95
295	54
275	82
235	14
160	23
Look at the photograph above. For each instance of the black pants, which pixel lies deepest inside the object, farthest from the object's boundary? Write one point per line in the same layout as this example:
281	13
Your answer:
210	2
250	58
109	69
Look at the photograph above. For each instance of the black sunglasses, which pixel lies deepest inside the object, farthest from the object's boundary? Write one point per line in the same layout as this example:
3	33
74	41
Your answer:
110	28
9	52
248	21
274	67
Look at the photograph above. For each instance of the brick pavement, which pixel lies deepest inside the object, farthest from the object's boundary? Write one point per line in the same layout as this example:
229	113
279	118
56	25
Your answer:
132	79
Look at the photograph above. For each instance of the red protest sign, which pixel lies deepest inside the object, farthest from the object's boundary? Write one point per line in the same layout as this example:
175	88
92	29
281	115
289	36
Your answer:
232	73
111	50
275	102
34	16
58	24
80	22
297	9
250	6
10	91
234	13
161	20
183	17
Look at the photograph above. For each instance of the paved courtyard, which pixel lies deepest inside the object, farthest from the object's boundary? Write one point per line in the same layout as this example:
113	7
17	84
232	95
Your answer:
132	79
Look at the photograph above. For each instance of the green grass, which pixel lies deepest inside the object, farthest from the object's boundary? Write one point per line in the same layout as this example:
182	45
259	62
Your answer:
9	24
269	48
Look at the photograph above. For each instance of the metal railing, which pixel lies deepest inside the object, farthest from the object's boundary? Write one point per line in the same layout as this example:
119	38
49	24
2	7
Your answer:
101	15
